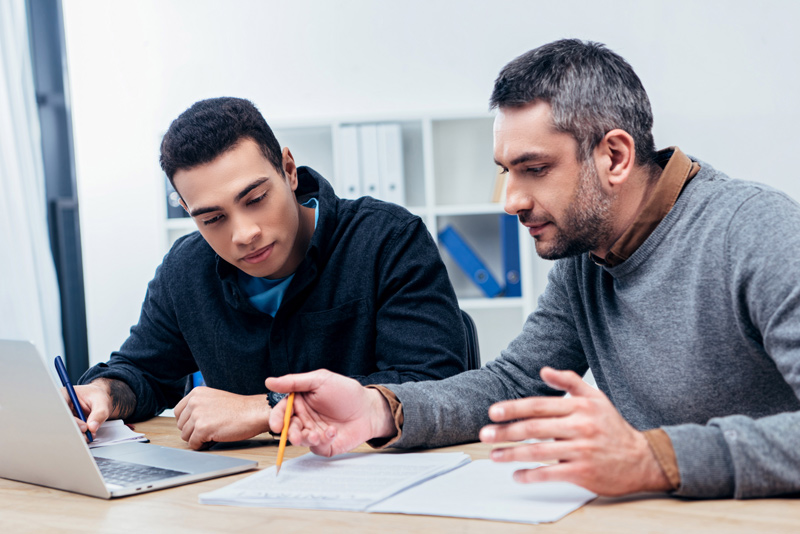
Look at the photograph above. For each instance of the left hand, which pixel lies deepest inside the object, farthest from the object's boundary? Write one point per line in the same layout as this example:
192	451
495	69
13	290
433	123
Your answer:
208	415
594	447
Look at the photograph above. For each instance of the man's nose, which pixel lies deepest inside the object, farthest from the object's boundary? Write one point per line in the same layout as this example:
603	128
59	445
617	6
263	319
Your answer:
245	231
518	199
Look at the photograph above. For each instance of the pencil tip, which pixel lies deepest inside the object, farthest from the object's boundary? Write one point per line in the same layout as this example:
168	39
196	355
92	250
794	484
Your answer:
277	470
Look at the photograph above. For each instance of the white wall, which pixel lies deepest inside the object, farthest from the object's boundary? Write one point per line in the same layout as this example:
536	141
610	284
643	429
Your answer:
722	77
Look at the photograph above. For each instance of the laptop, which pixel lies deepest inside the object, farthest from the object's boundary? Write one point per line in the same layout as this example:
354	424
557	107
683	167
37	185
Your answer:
41	444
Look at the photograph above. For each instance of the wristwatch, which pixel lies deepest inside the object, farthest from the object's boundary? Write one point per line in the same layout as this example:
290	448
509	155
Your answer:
274	398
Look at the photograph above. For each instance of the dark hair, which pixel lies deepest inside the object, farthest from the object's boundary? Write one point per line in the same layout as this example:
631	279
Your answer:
590	89
211	127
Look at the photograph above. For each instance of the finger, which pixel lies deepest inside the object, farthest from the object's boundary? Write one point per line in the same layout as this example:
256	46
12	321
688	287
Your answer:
568	381
546	451
531	407
200	435
186	413
178	409
278	413
298	382
96	416
548	428
81	425
302	414
295	434
326	447
187	430
563	472
196	442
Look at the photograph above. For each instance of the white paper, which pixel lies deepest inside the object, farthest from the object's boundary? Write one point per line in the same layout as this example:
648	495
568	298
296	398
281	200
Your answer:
346	482
485	490
114	431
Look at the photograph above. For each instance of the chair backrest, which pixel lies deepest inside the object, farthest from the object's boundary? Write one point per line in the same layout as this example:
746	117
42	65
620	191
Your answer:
473	349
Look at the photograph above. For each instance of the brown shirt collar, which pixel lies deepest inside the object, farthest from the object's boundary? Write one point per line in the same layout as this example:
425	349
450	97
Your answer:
678	170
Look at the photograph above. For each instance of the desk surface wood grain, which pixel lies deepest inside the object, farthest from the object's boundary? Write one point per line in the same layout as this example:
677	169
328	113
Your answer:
27	508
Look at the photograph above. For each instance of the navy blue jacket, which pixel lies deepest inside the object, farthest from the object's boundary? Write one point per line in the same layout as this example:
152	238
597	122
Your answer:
371	300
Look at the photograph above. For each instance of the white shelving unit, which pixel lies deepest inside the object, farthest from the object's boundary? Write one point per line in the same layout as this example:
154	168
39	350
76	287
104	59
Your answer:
448	179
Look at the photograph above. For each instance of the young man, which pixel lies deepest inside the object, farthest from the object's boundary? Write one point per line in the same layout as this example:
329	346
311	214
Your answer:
674	284
283	276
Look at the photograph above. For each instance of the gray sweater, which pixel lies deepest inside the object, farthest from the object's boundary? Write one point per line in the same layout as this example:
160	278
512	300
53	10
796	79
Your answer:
698	332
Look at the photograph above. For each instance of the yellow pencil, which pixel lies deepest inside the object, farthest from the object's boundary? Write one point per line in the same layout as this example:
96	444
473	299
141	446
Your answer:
284	432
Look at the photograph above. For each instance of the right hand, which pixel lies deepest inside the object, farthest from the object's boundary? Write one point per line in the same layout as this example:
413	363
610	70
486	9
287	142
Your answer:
95	402
332	414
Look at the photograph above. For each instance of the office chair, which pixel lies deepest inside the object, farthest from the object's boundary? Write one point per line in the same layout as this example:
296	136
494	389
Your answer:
473	349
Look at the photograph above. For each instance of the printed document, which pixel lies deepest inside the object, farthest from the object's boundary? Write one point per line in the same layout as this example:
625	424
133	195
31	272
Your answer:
351	481
485	490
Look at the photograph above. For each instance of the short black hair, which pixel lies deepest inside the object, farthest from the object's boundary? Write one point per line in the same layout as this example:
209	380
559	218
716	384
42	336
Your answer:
590	89
211	127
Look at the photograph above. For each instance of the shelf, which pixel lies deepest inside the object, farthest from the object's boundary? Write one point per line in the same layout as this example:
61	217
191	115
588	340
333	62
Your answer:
470	209
463	160
491	304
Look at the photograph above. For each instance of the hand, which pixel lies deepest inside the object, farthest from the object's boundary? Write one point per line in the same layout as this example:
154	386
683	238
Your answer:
95	403
208	415
332	414
594	446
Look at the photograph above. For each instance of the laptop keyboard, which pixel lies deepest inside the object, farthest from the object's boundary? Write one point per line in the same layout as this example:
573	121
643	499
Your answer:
127	473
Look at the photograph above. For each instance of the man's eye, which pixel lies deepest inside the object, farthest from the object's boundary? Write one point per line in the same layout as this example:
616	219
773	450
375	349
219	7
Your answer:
535	170
212	220
256	200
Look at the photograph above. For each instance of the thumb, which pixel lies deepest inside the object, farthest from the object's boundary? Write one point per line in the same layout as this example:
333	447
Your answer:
568	381
301	382
95	419
96	412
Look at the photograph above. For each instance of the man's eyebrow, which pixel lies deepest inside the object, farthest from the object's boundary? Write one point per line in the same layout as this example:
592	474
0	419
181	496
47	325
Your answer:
240	196
200	211
253	185
522	158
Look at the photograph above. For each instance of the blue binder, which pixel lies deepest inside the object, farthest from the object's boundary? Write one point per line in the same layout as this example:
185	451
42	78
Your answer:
469	262
509	245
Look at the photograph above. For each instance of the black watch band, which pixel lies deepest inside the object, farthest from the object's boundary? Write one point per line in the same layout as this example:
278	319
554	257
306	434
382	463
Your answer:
274	398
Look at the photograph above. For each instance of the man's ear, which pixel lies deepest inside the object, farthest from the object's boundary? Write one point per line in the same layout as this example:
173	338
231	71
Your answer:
615	157
289	168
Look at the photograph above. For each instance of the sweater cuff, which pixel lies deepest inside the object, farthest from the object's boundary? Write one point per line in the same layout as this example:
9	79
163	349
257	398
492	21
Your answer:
396	407
662	449
704	461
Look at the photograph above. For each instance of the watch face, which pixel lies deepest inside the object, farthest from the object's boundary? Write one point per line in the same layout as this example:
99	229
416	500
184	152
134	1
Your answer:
274	398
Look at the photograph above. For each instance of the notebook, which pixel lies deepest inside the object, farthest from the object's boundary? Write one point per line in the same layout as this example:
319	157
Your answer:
41	444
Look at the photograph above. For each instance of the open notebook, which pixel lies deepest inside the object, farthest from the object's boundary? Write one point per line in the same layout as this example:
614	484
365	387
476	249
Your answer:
115	431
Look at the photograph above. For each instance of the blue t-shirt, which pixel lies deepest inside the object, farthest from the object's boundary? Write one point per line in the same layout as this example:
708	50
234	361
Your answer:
266	294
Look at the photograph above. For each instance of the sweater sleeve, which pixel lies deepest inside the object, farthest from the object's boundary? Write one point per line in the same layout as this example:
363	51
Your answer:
155	359
749	456
454	410
420	334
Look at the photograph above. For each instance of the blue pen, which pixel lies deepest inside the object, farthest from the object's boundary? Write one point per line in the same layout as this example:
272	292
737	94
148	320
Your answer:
62	374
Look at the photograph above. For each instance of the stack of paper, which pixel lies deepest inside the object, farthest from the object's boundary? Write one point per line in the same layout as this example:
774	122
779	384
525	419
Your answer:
345	482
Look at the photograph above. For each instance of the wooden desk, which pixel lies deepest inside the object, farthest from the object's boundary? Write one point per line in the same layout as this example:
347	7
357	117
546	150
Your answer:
28	508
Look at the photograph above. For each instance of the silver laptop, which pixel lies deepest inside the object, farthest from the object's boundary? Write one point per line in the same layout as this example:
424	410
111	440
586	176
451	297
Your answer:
41	444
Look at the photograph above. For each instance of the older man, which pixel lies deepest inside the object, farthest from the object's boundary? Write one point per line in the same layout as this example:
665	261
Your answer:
676	285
